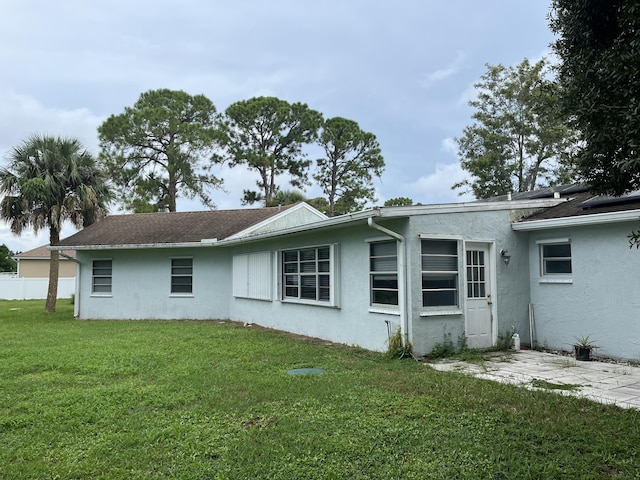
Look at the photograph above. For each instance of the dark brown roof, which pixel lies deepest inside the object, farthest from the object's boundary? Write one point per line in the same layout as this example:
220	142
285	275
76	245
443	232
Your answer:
585	203
169	227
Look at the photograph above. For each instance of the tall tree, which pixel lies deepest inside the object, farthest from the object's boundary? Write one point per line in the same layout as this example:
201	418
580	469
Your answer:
519	140
599	49
50	180
160	148
267	135
352	158
7	264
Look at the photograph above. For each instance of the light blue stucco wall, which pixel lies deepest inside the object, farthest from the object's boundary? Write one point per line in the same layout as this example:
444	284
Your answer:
141	282
511	297
141	285
350	322
602	301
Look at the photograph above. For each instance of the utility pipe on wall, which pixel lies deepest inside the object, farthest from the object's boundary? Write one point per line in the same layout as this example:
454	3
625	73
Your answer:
402	290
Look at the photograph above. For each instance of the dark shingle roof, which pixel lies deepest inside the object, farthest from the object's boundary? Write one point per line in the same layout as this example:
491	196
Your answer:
585	203
169	227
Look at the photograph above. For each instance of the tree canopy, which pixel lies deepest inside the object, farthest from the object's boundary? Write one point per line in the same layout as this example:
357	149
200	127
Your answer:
352	158
519	140
7	264
399	202
50	180
599	48
267	135
161	148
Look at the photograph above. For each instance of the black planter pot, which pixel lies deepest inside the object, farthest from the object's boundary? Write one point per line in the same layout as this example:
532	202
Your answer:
583	354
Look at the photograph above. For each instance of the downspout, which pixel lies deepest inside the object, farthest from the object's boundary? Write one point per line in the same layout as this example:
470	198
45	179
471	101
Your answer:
76	298
402	275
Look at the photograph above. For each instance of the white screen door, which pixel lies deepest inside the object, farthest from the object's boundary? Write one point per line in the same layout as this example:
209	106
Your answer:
479	319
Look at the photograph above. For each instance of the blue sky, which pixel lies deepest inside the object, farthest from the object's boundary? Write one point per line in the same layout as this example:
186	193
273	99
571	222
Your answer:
403	69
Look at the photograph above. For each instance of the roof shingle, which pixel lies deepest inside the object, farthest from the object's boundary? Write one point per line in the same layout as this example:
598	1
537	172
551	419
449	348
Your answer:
169	227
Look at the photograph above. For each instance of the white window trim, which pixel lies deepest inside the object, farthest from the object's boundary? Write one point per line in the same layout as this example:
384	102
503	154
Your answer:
180	294
334	297
384	307
432	311
101	294
553	278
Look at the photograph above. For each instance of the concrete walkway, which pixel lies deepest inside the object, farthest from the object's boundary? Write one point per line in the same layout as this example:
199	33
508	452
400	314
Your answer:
610	383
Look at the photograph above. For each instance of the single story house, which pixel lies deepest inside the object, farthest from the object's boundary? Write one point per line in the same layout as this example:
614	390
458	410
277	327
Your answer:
34	263
549	265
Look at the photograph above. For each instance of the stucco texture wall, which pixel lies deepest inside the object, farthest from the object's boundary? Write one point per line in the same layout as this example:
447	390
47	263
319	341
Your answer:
350	322
32	268
603	300
511	297
141	285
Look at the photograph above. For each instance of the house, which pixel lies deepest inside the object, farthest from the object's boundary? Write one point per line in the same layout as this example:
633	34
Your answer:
32	278
547	265
35	263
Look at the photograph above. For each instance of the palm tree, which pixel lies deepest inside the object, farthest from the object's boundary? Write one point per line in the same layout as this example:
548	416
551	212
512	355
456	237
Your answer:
50	180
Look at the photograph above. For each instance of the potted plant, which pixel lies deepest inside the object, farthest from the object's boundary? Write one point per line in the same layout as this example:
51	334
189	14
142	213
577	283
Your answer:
583	347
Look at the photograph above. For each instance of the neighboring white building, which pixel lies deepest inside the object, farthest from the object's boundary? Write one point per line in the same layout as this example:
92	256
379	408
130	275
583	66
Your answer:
436	272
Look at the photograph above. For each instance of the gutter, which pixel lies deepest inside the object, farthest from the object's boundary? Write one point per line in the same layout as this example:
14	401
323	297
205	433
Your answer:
402	276
581	220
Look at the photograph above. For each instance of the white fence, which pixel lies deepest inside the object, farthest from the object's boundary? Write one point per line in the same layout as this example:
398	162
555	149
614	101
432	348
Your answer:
14	288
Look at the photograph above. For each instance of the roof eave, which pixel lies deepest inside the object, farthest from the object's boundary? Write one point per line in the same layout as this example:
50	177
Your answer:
135	246
581	220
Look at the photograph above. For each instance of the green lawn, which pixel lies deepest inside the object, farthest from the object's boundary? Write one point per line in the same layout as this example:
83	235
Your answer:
100	399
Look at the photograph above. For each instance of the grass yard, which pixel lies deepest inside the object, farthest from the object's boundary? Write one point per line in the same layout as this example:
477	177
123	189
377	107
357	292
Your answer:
139	400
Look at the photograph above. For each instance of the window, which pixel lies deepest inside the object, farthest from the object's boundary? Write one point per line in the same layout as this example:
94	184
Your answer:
439	273
556	258
181	275
307	274
101	276
383	266
252	276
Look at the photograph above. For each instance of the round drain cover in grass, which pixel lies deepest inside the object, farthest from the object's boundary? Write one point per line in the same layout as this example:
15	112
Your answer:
306	371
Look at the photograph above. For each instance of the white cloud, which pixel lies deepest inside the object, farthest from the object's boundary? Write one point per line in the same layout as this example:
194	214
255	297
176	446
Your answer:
444	73
449	145
436	187
23	115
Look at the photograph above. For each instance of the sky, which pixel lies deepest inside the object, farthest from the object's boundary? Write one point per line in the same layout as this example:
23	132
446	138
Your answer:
403	69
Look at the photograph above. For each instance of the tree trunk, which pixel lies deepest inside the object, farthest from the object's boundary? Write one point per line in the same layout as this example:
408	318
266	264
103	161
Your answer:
54	267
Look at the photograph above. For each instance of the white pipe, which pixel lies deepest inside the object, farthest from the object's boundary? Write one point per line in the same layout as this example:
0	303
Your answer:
402	290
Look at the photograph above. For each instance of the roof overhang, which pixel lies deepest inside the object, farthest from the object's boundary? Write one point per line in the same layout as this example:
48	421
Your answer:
206	243
581	220
341	221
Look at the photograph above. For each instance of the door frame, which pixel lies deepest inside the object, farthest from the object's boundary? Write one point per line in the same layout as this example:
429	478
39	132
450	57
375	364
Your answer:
491	263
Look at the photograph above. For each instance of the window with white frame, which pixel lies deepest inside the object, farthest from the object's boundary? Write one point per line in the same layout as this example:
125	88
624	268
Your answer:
439	273
252	276
307	275
555	258
182	275
101	276
383	272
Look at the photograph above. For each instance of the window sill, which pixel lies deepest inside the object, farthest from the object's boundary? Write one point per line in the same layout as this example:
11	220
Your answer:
385	311
181	295
439	313
309	302
556	280
101	295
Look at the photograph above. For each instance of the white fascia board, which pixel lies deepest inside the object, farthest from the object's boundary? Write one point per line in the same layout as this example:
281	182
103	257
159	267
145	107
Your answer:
582	220
327	223
136	246
301	206
470	207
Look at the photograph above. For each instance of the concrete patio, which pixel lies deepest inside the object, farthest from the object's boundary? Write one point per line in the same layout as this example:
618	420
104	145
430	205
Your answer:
604	382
